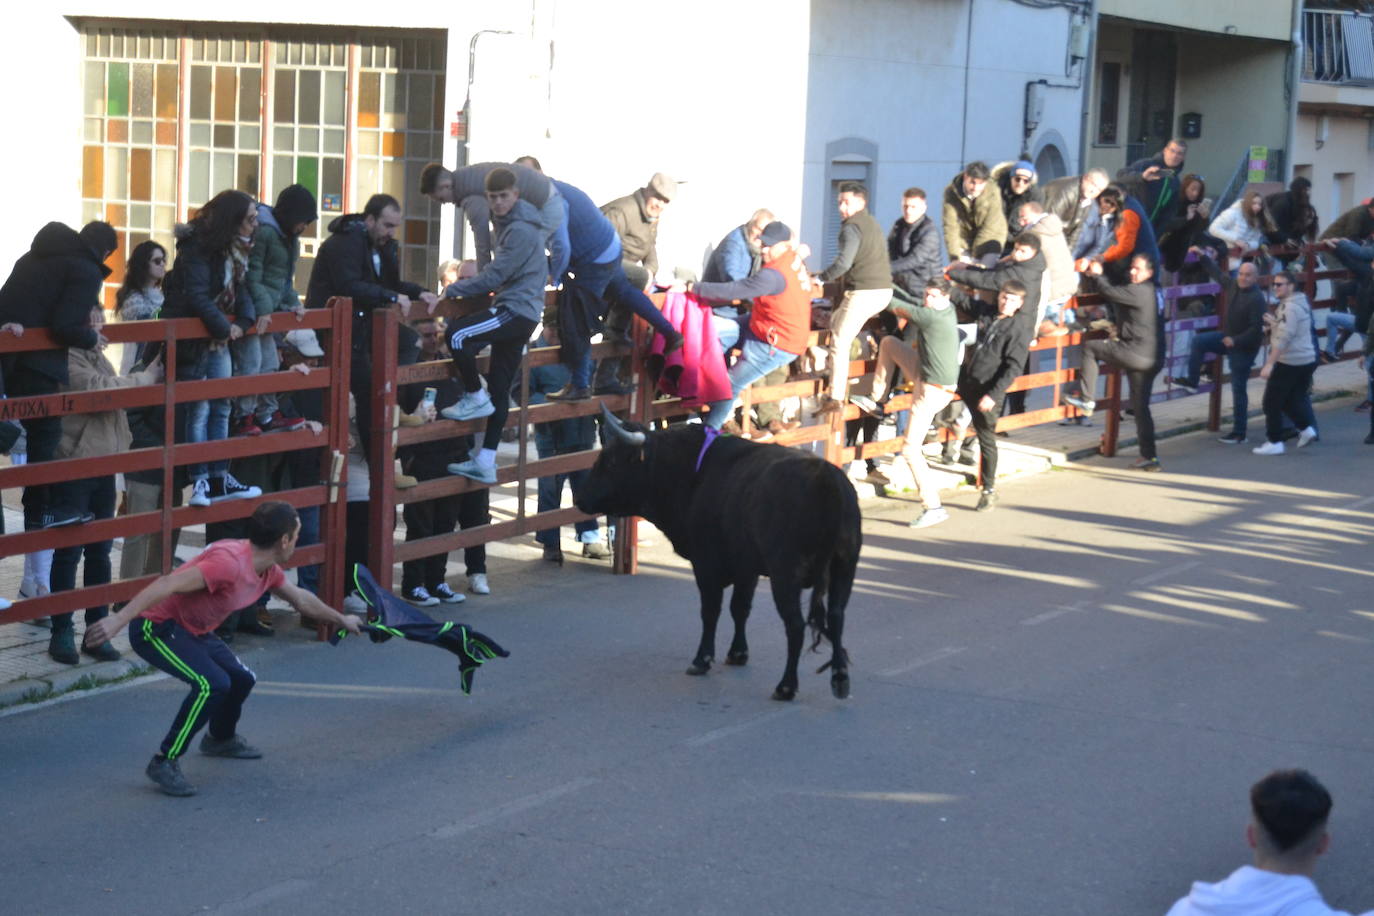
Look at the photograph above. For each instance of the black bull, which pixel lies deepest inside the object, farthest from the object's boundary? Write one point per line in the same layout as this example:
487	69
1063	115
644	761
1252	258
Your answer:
750	510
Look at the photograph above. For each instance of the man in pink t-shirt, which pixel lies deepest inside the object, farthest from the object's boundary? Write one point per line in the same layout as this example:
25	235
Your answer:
174	621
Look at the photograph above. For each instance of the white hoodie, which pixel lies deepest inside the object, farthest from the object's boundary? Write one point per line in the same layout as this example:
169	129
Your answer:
1251	891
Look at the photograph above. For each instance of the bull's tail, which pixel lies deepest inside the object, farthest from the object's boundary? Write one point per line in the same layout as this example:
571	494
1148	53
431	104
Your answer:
836	580
817	619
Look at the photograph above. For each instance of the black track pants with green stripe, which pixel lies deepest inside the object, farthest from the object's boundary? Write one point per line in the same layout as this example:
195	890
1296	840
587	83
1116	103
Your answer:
219	681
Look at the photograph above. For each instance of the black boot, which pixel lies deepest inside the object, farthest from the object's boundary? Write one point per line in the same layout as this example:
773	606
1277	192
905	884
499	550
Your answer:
62	644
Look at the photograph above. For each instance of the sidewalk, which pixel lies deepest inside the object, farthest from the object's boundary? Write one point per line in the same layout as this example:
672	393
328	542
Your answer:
27	673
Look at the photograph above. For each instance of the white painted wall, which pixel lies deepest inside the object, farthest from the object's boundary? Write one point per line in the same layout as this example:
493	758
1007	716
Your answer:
1345	152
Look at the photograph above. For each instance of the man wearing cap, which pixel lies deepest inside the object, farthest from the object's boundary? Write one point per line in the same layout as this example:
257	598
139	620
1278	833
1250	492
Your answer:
271	271
1016	181
635	218
776	329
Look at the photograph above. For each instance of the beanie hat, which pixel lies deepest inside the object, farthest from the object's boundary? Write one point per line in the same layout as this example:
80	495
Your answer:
1023	164
773	233
295	204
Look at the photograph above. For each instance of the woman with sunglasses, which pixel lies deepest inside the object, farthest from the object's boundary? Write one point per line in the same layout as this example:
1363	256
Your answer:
140	295
1288	370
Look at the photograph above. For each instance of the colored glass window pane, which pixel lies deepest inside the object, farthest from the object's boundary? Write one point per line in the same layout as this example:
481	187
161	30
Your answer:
166	91
394	144
165	133
142	99
92	171
202	80
94	88
309	112
250	94
117	131
334	97
226	92
284	97
117	92
417	232
141	175
308	173
369	99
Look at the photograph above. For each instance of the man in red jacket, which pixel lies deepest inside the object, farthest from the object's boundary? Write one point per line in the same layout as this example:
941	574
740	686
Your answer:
779	323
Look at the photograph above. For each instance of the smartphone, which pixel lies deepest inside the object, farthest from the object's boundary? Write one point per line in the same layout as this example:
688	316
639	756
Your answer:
430	394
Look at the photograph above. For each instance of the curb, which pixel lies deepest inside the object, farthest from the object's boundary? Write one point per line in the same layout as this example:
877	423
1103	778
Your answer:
34	690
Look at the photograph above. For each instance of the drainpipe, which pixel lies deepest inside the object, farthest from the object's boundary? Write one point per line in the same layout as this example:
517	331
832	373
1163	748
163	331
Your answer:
1089	73
1295	83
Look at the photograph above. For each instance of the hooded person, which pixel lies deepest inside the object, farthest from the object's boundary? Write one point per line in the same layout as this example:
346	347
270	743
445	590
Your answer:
1016	183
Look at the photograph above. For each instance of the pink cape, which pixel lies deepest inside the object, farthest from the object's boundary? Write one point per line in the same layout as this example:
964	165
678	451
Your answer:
696	373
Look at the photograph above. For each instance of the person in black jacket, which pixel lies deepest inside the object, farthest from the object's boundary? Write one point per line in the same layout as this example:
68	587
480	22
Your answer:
208	281
53	286
997	357
913	246
1155	181
1138	349
1295	219
1025	265
1245	308
359	260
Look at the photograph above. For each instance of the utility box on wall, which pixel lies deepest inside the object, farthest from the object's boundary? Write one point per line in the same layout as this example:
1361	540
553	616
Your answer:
1190	125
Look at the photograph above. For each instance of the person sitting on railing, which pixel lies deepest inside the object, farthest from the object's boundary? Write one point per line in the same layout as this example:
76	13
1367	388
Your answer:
1341	325
424	581
208	282
1025	265
1245	226
53	286
1016	183
1132	233
779	324
516	275
90	435
1295	220
1185	228
1060	281
1074	200
1348	247
1138	349
1288	370
1245	308
1099	229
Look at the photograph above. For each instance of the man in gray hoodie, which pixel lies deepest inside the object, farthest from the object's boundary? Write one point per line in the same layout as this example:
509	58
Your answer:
516	275
1287	831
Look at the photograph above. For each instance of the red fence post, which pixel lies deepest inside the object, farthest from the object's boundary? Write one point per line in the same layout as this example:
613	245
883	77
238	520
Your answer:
1112	426
381	454
335	460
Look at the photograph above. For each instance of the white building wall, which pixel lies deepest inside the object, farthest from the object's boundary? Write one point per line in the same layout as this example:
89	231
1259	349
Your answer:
1342	169
892	72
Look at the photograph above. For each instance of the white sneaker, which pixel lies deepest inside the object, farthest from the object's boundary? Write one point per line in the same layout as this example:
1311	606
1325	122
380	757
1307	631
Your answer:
448	595
1268	448
5	604
420	597
474	471
1307	437
930	517
470	407
200	493
477	584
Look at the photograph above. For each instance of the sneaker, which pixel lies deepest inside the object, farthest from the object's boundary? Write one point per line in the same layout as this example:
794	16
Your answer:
420	597
866	404
200	493
876	476
280	422
477	584
595	550
447	595
61	516
1147	464
103	652
406	481
1308	436
166	773
571	392
1269	448
1083	404
929	517
474	471
986	501
62	646
1232	438
1183	384
470	407
228	487
248	427
233	747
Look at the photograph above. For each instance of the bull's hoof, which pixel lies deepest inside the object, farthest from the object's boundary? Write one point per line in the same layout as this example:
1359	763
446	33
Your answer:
785	693
839	685
737	658
697	669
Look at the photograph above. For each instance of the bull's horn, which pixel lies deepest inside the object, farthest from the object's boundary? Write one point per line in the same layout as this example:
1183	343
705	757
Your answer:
633	438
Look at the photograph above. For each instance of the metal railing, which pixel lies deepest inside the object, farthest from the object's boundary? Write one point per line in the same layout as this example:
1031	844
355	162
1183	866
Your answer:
1338	47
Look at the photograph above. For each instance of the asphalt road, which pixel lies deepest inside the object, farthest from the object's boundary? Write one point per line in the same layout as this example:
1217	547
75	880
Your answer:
1057	708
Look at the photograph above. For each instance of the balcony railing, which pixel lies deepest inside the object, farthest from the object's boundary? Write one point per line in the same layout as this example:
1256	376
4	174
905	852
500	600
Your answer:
1338	47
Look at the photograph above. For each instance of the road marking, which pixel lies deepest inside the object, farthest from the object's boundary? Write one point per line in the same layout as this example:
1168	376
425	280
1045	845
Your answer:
520	805
924	660
1166	573
726	731
259	898
1057	612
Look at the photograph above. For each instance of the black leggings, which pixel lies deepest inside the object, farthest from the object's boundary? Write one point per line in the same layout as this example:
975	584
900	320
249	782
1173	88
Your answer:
1287	392
985	425
507	334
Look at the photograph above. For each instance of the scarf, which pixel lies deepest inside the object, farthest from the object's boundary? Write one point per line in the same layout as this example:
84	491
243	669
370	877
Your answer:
235	268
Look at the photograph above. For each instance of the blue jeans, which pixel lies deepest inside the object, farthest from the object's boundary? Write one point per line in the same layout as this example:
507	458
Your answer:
1339	321
620	291
728	330
208	421
1239	362
756	360
551	491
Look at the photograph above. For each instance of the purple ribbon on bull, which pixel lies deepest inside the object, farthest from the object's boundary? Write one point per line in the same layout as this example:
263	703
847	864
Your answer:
712	434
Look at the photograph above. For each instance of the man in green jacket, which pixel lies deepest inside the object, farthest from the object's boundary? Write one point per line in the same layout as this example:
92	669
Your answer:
974	222
271	271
